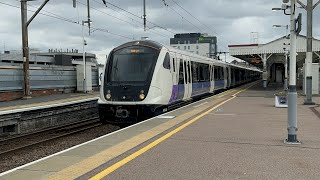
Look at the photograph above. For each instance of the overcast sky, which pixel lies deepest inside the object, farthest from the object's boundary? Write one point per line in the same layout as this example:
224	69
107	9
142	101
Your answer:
232	21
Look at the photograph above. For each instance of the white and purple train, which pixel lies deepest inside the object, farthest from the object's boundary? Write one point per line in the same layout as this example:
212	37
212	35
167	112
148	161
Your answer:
143	78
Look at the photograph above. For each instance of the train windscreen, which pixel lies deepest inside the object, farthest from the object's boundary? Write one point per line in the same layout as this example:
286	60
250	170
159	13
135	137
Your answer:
132	64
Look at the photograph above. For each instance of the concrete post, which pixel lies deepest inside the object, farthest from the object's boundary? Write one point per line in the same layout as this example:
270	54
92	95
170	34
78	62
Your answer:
84	60
292	94
25	50
308	61
265	73
285	85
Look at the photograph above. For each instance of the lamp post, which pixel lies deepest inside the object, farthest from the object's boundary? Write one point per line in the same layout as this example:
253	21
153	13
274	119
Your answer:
285	85
84	43
292	91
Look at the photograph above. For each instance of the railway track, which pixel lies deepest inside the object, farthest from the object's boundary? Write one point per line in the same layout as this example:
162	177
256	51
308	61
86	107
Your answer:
11	145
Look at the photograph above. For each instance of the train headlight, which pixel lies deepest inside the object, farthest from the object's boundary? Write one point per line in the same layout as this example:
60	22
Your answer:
108	96
141	96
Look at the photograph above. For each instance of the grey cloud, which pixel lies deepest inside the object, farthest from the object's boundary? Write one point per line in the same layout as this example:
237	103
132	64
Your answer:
233	20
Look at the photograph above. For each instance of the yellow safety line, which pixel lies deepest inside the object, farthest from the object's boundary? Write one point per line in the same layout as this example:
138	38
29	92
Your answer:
124	161
224	93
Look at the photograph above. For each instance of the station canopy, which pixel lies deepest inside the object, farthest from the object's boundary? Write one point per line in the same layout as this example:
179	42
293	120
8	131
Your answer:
253	53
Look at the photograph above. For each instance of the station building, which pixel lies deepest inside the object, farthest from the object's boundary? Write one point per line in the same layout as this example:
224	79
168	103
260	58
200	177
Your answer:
197	43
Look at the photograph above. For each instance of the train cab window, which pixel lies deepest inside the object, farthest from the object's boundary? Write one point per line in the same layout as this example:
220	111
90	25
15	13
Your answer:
181	81
131	64
166	62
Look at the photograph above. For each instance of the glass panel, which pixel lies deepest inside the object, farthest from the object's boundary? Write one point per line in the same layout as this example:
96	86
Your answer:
132	64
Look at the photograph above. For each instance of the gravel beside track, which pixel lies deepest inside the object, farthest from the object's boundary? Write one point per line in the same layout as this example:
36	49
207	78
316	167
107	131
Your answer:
26	155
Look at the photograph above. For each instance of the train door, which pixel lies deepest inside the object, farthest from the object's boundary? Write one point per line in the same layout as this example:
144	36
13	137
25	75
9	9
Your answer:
174	68
189	84
174	65
181	82
232	77
186	78
229	76
212	78
225	77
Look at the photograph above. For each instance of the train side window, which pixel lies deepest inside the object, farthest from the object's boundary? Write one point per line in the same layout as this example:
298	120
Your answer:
181	81
222	73
201	77
189	69
194	71
198	71
185	72
215	73
206	72
174	65
212	71
166	62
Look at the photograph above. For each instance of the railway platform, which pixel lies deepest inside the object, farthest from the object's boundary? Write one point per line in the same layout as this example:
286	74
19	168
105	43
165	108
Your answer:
24	116
237	134
41	102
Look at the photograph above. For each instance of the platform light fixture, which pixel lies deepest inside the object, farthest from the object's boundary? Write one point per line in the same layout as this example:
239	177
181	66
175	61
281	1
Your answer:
283	8
276	9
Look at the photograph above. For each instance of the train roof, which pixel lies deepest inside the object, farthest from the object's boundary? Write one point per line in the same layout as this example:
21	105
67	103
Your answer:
159	46
148	43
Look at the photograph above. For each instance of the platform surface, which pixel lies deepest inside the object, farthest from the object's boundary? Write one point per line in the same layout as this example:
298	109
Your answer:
45	101
234	135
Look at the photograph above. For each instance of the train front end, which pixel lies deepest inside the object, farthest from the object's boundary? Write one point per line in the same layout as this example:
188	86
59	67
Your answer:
126	82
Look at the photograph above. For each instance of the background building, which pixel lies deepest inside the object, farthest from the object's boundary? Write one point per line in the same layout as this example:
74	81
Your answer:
52	72
197	43
53	57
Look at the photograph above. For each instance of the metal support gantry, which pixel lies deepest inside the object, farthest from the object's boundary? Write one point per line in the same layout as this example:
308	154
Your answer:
25	43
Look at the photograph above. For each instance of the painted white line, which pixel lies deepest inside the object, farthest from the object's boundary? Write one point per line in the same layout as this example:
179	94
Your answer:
46	106
222	114
200	104
166	117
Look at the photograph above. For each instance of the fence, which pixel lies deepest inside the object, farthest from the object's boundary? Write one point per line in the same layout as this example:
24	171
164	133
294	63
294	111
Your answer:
42	77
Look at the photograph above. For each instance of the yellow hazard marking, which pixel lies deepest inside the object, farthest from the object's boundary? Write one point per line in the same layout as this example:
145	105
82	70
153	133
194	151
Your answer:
124	161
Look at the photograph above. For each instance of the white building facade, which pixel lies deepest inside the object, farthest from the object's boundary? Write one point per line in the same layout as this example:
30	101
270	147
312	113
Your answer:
197	43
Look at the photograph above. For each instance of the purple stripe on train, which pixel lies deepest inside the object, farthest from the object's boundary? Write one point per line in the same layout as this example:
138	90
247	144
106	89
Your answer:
219	84
200	88
174	93
197	89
